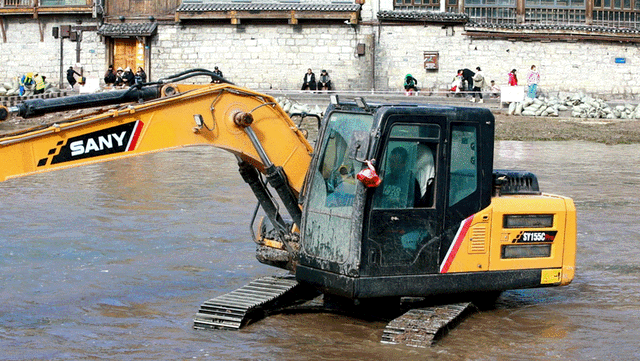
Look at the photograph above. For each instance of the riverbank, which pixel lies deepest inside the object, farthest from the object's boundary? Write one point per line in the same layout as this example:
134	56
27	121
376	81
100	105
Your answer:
558	129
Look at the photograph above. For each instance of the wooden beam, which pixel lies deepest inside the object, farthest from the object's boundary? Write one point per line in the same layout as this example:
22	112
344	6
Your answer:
589	12
234	19
553	37
42	28
4	32
293	20
354	18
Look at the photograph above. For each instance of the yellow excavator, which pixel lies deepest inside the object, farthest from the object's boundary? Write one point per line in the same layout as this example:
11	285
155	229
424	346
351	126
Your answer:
396	202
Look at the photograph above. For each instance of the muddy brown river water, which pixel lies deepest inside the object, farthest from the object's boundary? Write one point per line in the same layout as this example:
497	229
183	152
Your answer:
111	262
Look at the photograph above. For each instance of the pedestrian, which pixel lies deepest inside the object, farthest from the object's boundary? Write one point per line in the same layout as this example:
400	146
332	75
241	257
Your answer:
39	80
456	84
141	76
494	90
110	76
478	84
25	81
325	81
533	78
128	77
467	75
410	85
513	79
309	80
119	81
71	73
217	73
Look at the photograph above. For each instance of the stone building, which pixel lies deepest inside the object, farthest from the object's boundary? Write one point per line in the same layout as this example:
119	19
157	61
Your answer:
578	45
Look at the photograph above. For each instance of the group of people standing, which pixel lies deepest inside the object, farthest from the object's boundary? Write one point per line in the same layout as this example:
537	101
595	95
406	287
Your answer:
323	83
468	80
474	82
33	81
533	78
124	77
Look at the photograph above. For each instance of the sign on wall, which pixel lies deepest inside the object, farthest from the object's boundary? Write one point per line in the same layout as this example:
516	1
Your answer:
139	54
431	60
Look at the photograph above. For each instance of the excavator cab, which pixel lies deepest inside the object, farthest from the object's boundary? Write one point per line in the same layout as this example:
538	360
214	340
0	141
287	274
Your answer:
435	165
426	228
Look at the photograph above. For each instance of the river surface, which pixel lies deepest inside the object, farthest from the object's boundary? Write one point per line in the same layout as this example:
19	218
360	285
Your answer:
112	261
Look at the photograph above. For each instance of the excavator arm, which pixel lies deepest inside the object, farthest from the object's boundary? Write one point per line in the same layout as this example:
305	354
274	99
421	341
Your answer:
250	125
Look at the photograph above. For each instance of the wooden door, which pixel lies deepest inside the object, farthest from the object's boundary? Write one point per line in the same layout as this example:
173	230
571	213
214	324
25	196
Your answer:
124	53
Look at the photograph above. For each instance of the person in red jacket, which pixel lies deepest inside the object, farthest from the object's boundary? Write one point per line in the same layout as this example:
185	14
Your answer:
513	79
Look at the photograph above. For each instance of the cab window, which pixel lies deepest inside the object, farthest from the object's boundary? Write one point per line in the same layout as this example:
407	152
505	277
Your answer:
463	168
408	168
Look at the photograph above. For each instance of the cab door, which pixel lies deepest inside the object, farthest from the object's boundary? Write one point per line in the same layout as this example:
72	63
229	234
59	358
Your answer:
332	218
405	213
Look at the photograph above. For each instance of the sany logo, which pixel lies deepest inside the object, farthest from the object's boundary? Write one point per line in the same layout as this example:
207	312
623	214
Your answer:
78	147
118	139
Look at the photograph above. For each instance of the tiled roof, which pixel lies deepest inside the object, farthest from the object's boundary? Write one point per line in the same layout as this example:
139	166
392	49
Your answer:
557	28
264	6
128	29
429	16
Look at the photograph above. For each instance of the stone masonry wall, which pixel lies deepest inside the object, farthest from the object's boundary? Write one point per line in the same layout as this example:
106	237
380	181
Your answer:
264	57
23	51
564	67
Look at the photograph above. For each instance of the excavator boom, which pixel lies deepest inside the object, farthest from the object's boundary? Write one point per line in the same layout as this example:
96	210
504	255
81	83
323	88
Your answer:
196	115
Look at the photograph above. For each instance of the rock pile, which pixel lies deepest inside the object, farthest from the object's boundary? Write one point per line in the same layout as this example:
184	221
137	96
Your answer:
579	105
292	107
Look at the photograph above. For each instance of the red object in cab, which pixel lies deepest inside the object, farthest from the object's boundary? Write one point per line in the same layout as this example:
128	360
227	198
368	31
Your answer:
368	176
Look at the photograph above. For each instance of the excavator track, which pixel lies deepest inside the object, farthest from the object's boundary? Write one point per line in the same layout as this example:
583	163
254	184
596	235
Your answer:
236	309
421	327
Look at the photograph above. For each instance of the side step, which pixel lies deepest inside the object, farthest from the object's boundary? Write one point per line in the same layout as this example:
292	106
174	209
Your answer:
421	327
235	309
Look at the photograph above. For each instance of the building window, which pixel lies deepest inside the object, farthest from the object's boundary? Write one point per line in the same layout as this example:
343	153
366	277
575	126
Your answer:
617	13
491	11
555	11
420	4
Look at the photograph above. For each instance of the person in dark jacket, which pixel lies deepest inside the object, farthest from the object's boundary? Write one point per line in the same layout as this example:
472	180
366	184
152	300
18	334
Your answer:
217	72
70	76
128	77
325	81
141	76
309	80
110	76
467	75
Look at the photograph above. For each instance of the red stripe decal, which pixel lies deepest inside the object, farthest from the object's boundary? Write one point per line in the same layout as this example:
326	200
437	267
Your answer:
136	134
455	245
